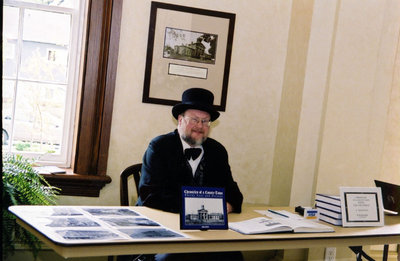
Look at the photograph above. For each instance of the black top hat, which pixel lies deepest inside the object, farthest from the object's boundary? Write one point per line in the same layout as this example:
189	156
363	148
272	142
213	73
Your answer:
198	99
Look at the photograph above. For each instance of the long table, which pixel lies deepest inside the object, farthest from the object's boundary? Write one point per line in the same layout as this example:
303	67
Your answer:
227	240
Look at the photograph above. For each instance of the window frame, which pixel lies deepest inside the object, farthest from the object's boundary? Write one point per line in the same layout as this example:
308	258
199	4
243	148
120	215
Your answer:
63	158
89	176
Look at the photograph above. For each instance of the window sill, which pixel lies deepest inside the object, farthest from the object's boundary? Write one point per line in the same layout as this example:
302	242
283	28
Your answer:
72	184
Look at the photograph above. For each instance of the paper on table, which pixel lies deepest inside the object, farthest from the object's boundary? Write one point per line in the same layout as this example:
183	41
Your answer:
79	225
263	225
49	170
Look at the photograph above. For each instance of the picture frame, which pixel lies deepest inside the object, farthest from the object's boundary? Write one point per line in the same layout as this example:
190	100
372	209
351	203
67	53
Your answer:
361	206
187	47
203	208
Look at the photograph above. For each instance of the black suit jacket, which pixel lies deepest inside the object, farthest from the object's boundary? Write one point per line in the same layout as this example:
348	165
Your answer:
165	170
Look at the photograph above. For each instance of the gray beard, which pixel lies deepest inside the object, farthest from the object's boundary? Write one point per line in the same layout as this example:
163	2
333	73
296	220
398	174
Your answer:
192	142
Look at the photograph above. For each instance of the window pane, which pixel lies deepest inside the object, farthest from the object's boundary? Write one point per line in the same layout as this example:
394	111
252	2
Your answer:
44	54
10	25
43	62
39	117
8	100
46	27
10	40
62	3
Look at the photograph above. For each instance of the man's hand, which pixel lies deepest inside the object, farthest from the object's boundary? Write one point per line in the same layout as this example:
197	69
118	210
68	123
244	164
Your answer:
229	207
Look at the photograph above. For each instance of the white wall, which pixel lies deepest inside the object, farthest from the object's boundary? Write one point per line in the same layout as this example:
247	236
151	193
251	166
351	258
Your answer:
336	129
313	99
349	103
358	98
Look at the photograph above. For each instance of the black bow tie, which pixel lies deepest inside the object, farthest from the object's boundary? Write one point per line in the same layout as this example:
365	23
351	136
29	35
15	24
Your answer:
193	153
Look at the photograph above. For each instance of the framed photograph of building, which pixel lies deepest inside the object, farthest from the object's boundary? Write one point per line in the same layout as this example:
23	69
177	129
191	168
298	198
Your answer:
187	47
203	208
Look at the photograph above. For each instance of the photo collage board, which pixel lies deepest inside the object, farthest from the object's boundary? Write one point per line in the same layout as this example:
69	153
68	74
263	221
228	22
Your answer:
69	225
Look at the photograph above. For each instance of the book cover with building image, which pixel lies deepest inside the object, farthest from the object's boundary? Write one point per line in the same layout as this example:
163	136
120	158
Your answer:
203	208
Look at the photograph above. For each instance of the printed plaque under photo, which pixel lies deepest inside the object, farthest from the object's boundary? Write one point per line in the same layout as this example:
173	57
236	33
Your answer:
361	206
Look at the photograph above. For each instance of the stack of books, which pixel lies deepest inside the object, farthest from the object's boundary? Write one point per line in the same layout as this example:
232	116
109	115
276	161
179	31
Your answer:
329	208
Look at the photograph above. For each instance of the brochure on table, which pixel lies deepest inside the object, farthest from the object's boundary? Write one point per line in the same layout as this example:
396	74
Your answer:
279	221
264	225
361	206
72	225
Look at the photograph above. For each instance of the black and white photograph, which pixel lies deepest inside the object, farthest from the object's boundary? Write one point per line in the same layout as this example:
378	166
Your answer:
142	233
130	222
111	212
87	234
55	211
190	46
70	222
66	212
205	212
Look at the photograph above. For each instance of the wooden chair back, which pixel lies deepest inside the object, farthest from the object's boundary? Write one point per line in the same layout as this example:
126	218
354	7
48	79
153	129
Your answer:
125	174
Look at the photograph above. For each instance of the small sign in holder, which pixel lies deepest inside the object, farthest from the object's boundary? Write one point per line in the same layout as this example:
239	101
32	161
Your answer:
203	208
361	206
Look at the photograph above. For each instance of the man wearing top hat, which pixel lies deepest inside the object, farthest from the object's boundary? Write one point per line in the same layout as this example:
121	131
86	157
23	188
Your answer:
187	157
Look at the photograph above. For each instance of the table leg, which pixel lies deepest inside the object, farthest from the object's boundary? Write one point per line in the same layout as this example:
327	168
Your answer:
360	253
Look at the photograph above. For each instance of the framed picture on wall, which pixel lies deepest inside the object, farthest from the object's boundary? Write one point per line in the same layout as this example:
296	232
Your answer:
187	47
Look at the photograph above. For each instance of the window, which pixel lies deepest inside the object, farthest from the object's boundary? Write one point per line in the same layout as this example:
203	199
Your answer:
96	102
42	40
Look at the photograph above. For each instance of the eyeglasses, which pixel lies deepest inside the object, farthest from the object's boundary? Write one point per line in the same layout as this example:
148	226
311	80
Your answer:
195	121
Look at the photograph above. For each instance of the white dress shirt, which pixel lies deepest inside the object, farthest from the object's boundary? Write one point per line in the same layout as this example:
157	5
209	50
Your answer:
193	163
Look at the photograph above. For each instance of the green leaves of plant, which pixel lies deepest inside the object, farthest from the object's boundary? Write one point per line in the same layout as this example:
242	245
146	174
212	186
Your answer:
22	185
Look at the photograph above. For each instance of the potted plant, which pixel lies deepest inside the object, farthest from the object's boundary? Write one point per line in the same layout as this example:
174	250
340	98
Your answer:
22	185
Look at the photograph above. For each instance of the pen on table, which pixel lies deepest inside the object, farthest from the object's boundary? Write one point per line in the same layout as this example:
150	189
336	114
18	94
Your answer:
277	213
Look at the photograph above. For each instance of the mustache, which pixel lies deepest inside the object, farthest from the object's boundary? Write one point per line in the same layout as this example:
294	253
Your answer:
198	130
